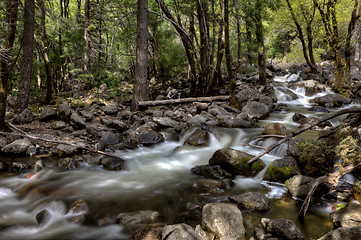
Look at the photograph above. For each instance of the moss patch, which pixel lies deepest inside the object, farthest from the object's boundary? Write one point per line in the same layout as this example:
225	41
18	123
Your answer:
277	174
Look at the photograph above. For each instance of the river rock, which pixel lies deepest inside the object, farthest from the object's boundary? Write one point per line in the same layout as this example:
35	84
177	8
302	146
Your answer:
282	169
150	137
231	121
39	165
299	186
256	110
112	163
48	113
58	125
148	232
214	172
19	146
139	217
356	190
81	209
77	121
165	122
3	142
43	217
332	100
67	163
343	233
274	129
318	109
290	94
25	116
199	137
349	216
64	150
246	95
235	162
254	201
197	120
109	138
180	231
311	87
88	116
282	228
223	219
63	111
111	109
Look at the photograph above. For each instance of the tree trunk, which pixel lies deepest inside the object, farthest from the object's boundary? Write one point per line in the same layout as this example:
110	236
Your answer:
140	90
286	47
86	36
49	77
249	39
232	83
260	42
358	42
11	19
236	8
202	8
27	59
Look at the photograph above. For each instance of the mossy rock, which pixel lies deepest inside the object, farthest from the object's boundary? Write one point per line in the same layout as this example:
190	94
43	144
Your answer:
282	169
200	137
235	162
315	158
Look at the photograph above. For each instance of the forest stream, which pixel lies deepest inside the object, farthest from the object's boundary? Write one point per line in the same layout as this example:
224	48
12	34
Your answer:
157	179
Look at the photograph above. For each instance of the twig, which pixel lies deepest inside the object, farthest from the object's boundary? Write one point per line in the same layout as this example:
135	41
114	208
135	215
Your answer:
301	130
267	136
251	145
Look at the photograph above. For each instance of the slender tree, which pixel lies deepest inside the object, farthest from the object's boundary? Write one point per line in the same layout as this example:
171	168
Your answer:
86	36
27	58
5	57
140	90
260	41
358	42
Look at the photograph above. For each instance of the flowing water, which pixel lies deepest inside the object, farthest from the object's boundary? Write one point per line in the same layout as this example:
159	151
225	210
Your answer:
157	178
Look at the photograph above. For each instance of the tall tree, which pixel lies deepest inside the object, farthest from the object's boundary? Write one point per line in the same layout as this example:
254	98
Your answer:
140	89
259	8
308	16
5	57
328	14
86	36
45	55
27	58
358	42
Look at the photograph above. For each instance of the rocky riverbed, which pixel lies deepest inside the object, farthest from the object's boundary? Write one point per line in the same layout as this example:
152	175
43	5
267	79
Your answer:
66	136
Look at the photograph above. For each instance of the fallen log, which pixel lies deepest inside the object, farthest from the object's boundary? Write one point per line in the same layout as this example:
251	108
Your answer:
182	100
301	130
81	145
332	179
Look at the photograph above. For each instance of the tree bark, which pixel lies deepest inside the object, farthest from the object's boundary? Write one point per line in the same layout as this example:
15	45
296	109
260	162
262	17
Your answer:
11	19
86	37
49	77
140	90
239	35
358	42
232	83
27	59
260	42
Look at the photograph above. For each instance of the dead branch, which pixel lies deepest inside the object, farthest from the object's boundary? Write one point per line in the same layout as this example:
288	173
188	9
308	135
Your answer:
254	146
81	145
332	179
182	100
301	130
267	136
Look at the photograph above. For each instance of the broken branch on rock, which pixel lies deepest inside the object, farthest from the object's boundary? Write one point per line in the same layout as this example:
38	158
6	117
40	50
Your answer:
332	179
27	135
305	128
182	100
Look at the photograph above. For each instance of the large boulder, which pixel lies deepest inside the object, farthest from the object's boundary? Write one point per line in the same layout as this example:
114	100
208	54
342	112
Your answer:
48	113
112	163
199	137
77	121
332	100
343	233
65	150
251	201
25	116
214	172
347	217
223	219
282	228
256	110
150	137
111	109
282	169
299	186
139	217
19	146
235	162
165	122
63	111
